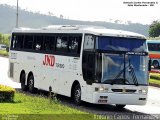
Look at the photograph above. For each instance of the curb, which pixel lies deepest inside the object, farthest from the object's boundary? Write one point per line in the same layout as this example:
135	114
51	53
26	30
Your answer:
154	85
3	56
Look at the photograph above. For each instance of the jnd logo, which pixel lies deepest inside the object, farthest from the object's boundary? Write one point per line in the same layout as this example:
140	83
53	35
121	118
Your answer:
49	60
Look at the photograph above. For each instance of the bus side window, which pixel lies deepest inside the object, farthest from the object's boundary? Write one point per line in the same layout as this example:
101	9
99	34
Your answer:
158	47
52	43
75	44
62	44
28	42
20	41
49	43
17	41
89	42
38	43
13	43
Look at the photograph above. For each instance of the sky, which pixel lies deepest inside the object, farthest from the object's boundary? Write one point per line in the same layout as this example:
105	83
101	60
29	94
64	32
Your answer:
94	10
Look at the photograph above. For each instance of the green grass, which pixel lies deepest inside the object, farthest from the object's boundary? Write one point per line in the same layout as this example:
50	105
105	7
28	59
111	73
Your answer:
37	107
154	81
155	78
3	52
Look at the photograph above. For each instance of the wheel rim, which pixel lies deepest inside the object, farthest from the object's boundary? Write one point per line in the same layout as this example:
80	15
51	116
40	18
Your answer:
156	64
77	95
30	85
22	81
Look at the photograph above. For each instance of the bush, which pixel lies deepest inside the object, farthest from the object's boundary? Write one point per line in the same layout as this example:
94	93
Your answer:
6	94
3	53
155	76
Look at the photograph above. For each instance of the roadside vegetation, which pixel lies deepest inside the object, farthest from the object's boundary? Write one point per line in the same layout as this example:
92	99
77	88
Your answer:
3	53
6	93
4	39
153	38
155	79
154	29
26	107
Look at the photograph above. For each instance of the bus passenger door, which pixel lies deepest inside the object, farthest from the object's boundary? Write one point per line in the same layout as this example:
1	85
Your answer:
88	67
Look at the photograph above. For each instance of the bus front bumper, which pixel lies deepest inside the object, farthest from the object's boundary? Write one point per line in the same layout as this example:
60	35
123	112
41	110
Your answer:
119	98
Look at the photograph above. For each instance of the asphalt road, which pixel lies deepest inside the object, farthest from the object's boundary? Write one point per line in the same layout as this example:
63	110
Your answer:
152	107
4	64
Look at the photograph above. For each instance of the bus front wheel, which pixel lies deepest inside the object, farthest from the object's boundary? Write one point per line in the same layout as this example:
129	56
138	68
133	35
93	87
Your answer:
77	95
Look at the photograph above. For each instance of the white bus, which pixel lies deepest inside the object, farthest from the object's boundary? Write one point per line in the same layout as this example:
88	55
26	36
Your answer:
91	64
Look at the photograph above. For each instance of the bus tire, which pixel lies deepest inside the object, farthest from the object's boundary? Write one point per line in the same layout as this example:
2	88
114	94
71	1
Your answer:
155	64
31	88
23	80
77	95
120	106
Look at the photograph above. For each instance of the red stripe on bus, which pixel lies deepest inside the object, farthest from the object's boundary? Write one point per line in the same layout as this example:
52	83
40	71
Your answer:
154	56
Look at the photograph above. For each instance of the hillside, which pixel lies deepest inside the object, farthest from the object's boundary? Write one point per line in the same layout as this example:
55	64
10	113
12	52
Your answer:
35	20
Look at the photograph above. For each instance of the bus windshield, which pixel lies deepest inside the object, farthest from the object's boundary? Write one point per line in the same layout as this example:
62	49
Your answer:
119	67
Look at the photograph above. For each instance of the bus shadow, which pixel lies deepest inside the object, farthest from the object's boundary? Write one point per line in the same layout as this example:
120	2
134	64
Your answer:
87	107
96	108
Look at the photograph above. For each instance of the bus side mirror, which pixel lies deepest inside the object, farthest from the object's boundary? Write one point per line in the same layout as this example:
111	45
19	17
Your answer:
149	65
7	49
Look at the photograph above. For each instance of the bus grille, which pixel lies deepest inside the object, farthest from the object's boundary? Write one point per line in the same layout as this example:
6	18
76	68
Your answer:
11	70
124	90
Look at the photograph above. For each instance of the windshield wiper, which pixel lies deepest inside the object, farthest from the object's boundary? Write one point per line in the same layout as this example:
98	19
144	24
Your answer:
112	81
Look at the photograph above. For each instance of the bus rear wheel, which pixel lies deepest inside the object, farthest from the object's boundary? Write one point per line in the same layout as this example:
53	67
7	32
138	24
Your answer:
31	84
23	80
120	106
77	95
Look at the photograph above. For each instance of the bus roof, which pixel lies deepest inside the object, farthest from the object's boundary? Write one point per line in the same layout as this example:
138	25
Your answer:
101	31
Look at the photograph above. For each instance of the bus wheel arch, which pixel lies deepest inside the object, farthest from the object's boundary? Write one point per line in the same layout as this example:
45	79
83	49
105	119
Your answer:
76	92
119	106
30	82
23	80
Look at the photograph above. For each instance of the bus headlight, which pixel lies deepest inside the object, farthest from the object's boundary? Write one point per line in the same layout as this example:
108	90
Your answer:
101	89
143	91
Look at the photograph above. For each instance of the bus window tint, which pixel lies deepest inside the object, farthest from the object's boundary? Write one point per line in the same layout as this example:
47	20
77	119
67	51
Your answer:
49	43
14	39
153	46
38	42
74	43
62	44
52	43
89	42
28	42
17	41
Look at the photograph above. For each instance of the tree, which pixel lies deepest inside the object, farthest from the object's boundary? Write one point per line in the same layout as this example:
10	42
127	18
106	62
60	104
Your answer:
5	39
0	38
154	29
